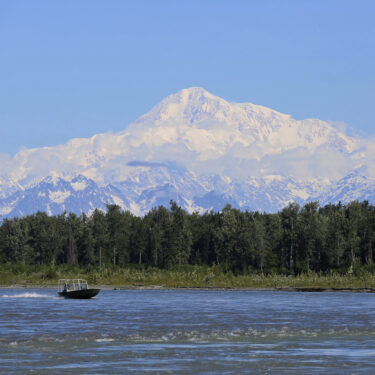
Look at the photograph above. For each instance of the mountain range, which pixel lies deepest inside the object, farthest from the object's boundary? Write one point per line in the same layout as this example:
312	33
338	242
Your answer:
198	150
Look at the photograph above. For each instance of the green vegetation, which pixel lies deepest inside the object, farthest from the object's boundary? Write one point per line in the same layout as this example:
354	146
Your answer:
178	277
329	246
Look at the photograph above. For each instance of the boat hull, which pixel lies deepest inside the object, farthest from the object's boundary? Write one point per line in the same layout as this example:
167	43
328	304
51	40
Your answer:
79	294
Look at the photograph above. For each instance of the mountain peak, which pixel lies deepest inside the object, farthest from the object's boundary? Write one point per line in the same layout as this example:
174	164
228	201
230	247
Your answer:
188	106
203	136
196	105
196	92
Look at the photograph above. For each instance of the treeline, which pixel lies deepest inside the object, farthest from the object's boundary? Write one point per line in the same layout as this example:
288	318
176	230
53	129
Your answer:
294	240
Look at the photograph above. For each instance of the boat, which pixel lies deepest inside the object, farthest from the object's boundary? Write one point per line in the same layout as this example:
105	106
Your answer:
75	288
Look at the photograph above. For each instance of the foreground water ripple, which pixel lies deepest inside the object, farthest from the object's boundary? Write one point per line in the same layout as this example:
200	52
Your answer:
187	331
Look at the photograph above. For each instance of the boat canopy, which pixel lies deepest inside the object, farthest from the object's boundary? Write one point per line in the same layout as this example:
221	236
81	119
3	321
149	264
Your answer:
72	284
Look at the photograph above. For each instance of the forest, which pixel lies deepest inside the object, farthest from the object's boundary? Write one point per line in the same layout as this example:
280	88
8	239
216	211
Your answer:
297	239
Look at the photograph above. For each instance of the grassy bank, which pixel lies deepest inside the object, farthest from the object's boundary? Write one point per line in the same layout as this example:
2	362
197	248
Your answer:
179	277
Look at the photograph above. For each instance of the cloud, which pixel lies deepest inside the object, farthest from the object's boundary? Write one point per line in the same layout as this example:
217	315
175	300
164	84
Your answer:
368	155
298	163
341	126
346	129
137	163
5	163
112	157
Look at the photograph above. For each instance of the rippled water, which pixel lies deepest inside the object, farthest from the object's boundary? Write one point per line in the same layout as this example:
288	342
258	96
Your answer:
187	331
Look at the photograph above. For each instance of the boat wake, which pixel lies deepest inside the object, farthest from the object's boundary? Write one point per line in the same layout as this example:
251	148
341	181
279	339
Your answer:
26	295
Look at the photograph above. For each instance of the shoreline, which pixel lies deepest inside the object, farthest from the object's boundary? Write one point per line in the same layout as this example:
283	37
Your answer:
161	287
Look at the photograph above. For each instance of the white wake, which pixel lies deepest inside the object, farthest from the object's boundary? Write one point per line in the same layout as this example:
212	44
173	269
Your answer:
26	295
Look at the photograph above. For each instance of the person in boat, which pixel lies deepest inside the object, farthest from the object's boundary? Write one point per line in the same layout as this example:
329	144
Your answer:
76	288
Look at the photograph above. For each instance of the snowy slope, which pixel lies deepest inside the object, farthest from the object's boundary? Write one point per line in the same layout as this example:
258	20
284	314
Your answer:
199	150
55	195
355	186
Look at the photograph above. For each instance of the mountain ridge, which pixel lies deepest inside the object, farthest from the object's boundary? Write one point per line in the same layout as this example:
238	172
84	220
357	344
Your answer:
194	146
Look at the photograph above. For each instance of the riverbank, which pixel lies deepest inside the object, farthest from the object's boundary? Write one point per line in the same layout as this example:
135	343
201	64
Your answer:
195	277
160	287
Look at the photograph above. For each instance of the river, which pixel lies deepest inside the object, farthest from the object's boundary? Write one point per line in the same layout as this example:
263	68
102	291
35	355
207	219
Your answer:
187	331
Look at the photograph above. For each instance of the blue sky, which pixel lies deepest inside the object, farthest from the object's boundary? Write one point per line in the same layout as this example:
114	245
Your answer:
77	68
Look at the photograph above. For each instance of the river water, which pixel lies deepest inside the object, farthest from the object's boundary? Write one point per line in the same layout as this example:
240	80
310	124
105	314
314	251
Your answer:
187	331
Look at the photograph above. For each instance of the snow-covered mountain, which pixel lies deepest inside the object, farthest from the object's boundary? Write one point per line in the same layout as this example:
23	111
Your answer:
55	195
198	150
355	186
